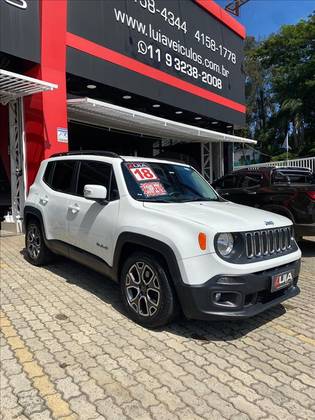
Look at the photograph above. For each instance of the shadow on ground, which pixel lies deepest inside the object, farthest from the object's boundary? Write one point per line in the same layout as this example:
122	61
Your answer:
307	247
107	291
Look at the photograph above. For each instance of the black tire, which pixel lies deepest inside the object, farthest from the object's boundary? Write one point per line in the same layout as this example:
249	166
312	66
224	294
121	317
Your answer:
37	252
152	306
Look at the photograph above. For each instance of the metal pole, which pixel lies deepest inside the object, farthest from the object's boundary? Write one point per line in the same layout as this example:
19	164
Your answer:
17	161
202	160
206	161
233	156
221	159
210	163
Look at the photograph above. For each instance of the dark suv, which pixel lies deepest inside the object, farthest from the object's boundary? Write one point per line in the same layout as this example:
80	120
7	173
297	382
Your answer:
288	191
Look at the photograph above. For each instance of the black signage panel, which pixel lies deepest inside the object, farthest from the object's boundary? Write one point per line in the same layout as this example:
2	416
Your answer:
19	28
196	56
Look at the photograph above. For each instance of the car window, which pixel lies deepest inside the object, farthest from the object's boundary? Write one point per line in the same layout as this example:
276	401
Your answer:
114	193
250	180
62	176
166	182
97	173
292	176
47	178
228	181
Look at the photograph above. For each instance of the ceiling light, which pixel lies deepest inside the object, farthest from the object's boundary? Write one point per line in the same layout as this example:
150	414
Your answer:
214	122
198	118
91	86
127	97
178	112
156	105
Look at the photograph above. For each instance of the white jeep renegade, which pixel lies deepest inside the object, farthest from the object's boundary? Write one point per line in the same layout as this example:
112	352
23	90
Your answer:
158	229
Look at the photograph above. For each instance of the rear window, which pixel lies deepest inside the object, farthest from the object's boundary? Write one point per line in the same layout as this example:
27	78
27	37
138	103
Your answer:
293	177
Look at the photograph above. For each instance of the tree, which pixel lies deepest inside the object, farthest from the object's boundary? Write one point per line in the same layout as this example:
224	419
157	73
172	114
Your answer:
280	88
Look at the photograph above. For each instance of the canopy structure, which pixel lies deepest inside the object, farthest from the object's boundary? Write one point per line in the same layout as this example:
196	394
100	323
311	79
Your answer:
103	114
14	86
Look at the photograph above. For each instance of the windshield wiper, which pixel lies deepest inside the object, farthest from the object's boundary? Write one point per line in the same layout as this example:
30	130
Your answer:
155	201
199	199
177	200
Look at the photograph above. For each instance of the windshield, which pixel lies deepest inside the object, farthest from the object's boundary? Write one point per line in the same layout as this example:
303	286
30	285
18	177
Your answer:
166	183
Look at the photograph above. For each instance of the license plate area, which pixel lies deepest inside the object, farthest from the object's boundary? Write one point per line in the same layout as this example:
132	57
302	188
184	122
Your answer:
281	281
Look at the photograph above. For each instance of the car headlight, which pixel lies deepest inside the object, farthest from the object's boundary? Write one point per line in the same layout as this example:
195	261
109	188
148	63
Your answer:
225	244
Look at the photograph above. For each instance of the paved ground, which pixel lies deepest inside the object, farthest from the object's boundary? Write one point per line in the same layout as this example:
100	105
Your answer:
68	352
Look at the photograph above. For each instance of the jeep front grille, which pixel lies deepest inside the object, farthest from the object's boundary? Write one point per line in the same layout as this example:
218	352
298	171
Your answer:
268	242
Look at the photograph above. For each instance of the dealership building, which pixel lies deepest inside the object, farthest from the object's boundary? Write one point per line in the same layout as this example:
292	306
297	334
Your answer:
137	77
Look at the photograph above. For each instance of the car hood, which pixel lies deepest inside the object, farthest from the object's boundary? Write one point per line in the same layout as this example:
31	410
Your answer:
221	216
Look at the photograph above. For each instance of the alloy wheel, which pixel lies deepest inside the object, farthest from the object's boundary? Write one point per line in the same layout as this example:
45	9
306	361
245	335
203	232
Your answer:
33	242
143	289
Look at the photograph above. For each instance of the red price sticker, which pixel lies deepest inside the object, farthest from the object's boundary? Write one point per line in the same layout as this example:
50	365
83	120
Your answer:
153	189
144	173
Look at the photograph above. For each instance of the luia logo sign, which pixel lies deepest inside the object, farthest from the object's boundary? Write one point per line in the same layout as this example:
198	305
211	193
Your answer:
21	4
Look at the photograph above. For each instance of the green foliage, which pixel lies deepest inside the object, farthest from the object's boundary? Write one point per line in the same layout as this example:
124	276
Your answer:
283	156
280	88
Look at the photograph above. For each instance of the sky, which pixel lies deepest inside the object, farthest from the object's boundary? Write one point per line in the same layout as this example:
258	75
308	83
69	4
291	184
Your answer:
263	17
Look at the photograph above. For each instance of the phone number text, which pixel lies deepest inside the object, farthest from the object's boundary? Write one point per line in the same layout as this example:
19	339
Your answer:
179	65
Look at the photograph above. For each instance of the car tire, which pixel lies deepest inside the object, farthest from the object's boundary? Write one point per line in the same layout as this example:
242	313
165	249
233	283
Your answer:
37	252
146	291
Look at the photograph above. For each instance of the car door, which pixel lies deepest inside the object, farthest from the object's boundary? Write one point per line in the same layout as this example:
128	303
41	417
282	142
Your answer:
92	224
57	187
226	186
249	189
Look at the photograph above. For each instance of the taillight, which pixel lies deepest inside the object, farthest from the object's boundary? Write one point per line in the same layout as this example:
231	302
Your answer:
311	195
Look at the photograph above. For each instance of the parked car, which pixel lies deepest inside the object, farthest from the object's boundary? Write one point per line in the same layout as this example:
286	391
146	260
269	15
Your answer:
287	191
159	230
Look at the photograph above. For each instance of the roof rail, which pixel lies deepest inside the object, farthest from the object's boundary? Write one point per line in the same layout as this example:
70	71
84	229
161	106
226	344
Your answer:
88	152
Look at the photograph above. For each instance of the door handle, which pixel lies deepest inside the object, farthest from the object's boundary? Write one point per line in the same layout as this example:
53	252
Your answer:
75	208
44	200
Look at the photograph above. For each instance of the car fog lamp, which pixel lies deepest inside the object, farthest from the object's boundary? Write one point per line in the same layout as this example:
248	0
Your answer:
225	243
217	296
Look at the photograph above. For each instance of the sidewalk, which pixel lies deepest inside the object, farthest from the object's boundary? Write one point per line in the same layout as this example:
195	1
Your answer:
69	352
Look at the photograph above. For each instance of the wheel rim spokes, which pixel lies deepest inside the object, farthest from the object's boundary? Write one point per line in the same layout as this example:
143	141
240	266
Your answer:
143	289
33	242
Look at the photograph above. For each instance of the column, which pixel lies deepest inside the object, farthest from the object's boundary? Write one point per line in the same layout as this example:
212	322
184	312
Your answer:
46	112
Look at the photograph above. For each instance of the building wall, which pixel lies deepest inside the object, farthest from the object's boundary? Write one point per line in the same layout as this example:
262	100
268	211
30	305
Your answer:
45	113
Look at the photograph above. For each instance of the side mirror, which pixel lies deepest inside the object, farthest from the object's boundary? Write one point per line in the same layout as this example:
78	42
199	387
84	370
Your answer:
95	192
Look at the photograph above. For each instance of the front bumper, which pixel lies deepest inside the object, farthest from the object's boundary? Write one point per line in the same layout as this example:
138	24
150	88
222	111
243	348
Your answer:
251	294
307	229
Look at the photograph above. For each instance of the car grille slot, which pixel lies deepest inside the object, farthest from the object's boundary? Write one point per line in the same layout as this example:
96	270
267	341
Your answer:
267	242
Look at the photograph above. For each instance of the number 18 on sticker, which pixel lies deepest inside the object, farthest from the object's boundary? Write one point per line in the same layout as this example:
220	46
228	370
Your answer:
143	174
